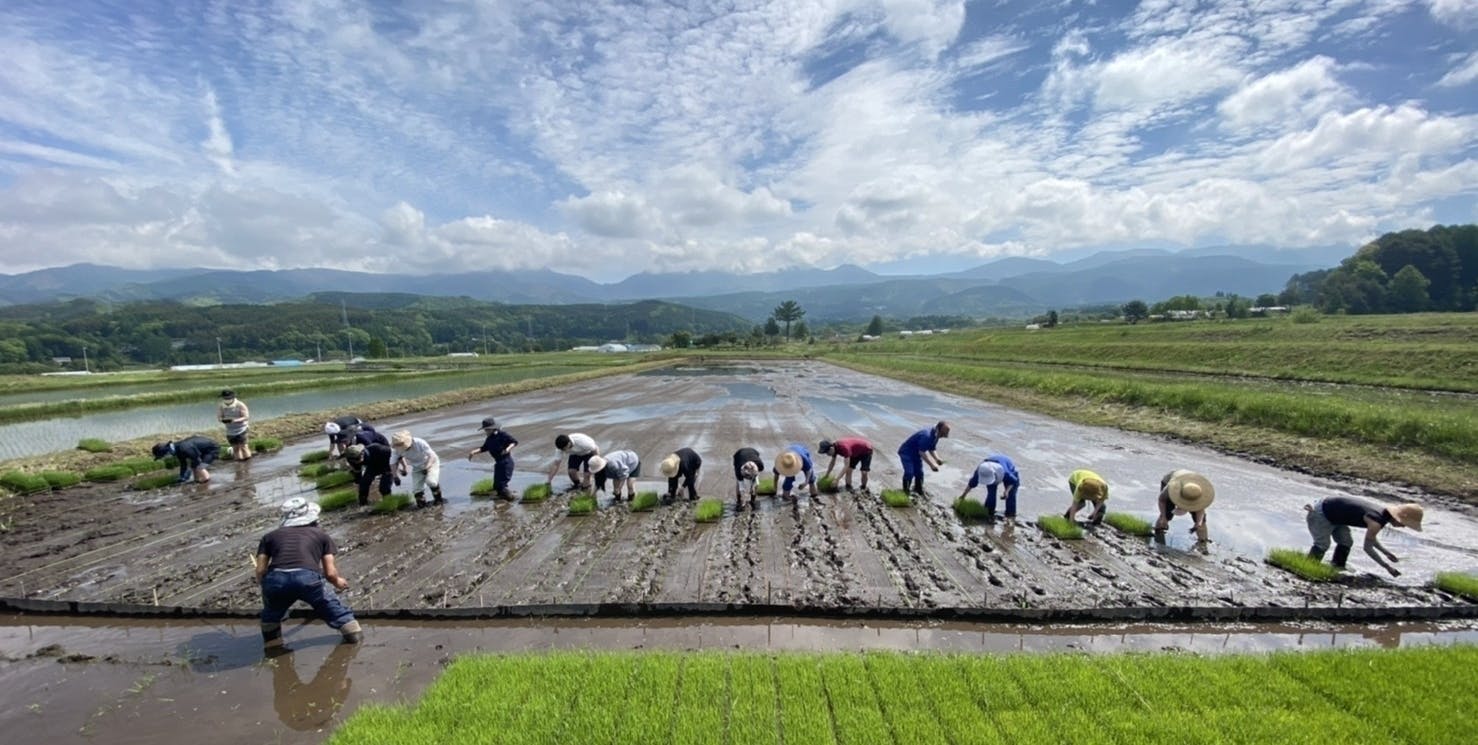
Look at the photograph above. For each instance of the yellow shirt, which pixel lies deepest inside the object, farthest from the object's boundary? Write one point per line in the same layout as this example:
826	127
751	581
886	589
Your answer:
1077	477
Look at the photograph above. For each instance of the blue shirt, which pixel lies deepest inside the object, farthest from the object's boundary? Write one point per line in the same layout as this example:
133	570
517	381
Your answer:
1009	475
920	442
799	449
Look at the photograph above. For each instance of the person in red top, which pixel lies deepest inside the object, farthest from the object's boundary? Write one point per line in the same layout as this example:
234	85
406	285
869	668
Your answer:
856	450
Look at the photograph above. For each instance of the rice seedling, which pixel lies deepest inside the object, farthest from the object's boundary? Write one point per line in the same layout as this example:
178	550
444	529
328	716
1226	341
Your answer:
708	510
582	505
331	480
1127	523
94	445
970	509
1302	564
536	493
61	479
392	503
314	470
828	485
644	501
338	499
314	456
765	487
897	498
146	465
155	481
482	488
108	473
1061	527
1458	583
23	483
265	444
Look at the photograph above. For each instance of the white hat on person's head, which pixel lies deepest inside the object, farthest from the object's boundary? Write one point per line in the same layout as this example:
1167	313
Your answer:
1190	491
669	465
401	440
989	472
788	463
595	464
1408	514
299	511
331	428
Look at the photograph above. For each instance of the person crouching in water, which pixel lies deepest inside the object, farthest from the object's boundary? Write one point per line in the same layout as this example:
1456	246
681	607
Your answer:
683	464
1182	492
1336	515
1087	486
194	453
580	448
856	451
996	470
621	468
499	445
368	463
296	562
793	461
425	467
747	470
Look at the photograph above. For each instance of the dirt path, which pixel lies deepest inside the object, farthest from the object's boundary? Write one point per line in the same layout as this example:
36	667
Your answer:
191	545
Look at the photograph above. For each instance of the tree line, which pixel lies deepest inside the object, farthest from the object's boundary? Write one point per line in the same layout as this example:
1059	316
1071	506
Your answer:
1406	272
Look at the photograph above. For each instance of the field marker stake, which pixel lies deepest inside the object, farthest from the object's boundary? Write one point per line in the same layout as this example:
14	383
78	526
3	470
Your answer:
156	596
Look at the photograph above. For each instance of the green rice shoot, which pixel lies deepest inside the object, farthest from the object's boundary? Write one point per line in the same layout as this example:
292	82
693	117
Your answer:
970	509
645	501
897	498
1302	564
828	485
582	505
765	487
314	470
314	456
708	510
108	473
151	481
265	444
1130	524
1061	527
482	488
94	445
23	483
536	493
1457	583
331	480
145	465
392	503
61	479
338	499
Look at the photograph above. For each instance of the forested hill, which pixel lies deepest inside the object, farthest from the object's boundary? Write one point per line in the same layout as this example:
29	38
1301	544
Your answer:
1405	272
166	333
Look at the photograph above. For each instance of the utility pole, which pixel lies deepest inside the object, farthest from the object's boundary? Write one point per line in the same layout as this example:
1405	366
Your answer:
219	359
344	309
85	368
484	340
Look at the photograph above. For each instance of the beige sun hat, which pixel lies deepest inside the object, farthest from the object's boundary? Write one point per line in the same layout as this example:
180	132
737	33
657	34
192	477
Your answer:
669	465
1409	514
401	440
596	464
1190	491
788	463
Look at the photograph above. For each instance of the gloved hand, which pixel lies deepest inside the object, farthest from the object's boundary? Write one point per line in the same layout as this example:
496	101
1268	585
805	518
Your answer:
397	481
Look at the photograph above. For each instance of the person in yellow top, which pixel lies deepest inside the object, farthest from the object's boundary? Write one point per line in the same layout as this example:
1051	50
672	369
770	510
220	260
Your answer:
1087	486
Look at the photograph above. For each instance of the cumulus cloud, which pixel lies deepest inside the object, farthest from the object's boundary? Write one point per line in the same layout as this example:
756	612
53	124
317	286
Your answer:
1463	73
1286	98
1459	13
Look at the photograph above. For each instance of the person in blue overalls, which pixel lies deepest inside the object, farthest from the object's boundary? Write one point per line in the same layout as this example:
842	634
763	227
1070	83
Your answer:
917	451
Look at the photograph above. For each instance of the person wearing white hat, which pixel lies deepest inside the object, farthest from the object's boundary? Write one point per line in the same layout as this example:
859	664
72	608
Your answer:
793	461
620	467
996	470
856	450
1185	492
340	431
425	467
579	448
296	562
1333	517
683	464
747	469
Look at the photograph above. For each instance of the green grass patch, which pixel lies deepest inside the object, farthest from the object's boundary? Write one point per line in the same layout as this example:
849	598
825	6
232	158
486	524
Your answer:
1410	694
265	444
1061	527
61	479
331	480
155	481
482	488
338	499
708	510
970	509
314	456
828	485
1302	564
536	493
94	445
765	487
20	482
1127	523
392	503
582	505
1458	583
314	470
114	472
146	465
896	498
645	501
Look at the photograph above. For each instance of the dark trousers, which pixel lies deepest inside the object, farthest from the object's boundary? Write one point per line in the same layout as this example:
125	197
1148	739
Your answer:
280	589
913	470
689	483
1009	487
502	472
367	477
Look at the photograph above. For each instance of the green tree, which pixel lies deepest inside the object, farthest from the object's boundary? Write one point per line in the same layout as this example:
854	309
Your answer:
377	349
787	313
1266	300
1408	291
771	327
1135	311
681	340
801	330
875	328
1238	307
1051	319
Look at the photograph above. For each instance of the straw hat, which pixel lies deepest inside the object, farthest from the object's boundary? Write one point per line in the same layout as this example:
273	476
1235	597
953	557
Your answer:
1190	491
669	465
1408	514
1091	490
298	511
401	440
788	463
331	428
989	472
596	464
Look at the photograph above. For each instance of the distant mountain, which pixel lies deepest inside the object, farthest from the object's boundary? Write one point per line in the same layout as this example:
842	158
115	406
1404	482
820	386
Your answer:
269	286
689	284
1010	266
77	280
1321	257
1154	277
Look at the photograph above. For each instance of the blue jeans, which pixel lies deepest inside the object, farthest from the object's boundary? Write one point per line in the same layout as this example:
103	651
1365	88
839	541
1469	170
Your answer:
789	482
1010	489
282	588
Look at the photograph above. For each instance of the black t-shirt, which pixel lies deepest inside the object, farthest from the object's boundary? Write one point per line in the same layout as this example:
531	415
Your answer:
298	547
377	458
1352	512
497	442
688	463
747	455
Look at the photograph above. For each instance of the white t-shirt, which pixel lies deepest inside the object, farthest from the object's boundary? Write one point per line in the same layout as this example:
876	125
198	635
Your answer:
581	444
419	455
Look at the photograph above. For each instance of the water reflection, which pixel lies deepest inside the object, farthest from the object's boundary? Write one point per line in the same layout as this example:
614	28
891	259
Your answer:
311	705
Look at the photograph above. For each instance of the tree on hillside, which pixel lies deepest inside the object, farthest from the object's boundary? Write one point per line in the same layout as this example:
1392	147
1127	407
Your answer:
1408	291
801	330
1266	300
787	313
1135	311
680	340
1357	286
876	327
1051	319
771	327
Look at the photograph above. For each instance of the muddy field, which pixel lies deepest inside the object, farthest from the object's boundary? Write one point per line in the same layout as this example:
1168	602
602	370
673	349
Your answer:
190	546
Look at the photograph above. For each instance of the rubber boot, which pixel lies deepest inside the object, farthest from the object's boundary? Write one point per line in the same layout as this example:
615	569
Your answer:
505	494
352	632
1317	553
436	494
1341	555
271	633
420	500
1098	514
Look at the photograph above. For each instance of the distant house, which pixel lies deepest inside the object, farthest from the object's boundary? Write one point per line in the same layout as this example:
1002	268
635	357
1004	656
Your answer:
869	337
643	347
585	349
1185	315
926	332
286	363
461	354
613	347
905	333
1271	310
1033	326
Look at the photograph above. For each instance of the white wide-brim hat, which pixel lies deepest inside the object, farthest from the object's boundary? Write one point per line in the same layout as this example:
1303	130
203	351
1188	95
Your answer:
989	472
331	428
299	511
669	465
1190	491
788	463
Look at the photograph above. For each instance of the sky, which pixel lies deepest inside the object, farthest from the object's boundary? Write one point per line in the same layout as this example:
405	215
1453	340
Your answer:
608	138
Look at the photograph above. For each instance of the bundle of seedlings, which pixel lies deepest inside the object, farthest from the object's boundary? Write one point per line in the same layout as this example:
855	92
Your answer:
708	510
265	444
1127	523
969	509
896	498
331	480
338	499
536	493
1457	583
582	505
94	445
392	503
19	482
765	487
61	479
155	481
1302	564
314	470
482	488
1061	527
314	456
108	473
143	464
828	485
645	501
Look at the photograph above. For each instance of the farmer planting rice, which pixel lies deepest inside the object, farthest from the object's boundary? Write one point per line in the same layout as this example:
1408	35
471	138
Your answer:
917	451
368	463
996	470
858	454
794	460
1087	486
683	464
233	413
1183	492
621	468
579	448
194	453
747	470
499	445
296	562
425	467
1336	515
346	430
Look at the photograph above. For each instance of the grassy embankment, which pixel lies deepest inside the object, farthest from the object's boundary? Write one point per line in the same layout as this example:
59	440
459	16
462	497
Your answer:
1407	695
1244	386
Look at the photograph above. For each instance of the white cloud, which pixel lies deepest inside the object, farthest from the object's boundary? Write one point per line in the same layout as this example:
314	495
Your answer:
1460	13
1463	73
218	145
989	50
1287	98
932	23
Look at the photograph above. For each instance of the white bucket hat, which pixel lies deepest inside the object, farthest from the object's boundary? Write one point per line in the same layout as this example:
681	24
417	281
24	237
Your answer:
1190	491
596	464
669	465
401	440
331	428
788	463
298	511
989	472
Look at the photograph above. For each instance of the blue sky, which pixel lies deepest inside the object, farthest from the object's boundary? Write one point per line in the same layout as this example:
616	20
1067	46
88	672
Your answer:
607	138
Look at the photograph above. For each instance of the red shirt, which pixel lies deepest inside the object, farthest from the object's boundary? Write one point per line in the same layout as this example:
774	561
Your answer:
852	447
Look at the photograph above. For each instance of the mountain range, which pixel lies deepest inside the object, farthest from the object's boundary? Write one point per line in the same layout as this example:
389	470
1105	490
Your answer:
1007	287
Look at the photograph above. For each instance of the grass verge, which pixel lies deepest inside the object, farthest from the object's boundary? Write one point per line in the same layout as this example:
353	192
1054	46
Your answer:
970	509
536	493
331	480
392	503
645	501
582	505
313	456
708	510
896	498
765	487
1301	564
94	445
482	488
1061	527
1458	583
338	499
828	485
155	481
1127	523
